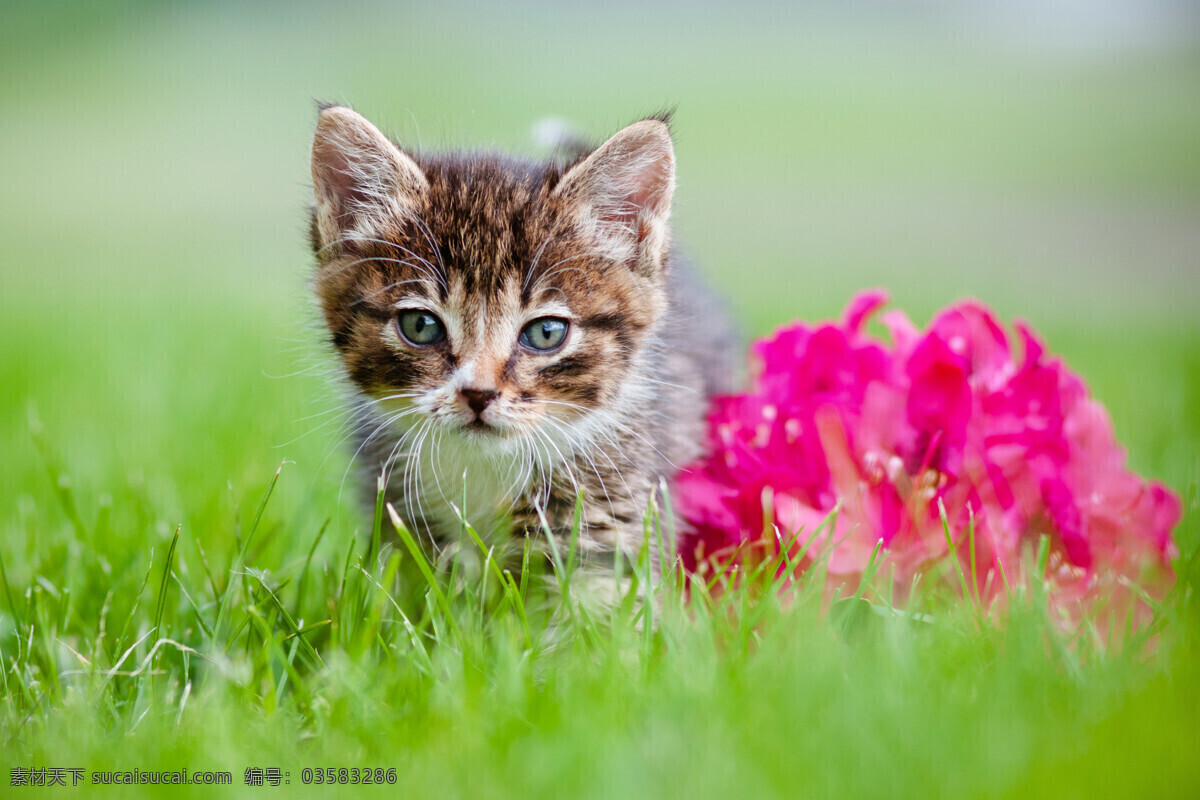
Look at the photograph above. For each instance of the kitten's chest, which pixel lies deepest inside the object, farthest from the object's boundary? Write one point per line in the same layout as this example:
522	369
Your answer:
453	483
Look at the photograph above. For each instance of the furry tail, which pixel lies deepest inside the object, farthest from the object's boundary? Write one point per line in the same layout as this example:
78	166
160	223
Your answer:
562	139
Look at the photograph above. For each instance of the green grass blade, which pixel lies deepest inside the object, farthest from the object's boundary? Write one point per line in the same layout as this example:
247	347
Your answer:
302	581
235	569
12	606
377	522
426	570
957	564
166	578
290	624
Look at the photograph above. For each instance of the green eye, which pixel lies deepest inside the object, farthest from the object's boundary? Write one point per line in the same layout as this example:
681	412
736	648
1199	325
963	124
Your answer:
420	327
546	333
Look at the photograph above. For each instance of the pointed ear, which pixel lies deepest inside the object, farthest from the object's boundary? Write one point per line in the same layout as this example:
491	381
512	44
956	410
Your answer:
359	176
621	194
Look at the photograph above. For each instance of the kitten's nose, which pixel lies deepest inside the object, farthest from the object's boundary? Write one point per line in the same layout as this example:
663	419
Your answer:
477	399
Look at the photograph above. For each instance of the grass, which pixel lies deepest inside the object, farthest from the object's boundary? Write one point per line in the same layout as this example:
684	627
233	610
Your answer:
190	581
373	659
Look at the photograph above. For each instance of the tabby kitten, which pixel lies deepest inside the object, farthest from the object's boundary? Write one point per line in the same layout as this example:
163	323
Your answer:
523	329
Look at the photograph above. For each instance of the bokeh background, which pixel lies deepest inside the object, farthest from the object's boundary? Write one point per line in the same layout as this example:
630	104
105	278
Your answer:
159	359
156	327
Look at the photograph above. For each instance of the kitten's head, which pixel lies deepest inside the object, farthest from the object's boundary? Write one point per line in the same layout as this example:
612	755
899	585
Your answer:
493	298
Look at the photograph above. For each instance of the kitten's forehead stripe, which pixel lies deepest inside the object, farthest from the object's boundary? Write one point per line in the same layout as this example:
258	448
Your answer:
607	322
481	210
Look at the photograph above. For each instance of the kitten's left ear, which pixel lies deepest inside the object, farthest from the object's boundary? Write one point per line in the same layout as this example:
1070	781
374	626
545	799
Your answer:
359	177
621	193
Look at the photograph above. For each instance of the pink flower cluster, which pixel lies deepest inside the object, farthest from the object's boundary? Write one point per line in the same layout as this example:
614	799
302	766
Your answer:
1012	448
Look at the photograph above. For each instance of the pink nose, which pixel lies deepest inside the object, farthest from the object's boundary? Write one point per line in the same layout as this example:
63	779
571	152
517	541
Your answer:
477	399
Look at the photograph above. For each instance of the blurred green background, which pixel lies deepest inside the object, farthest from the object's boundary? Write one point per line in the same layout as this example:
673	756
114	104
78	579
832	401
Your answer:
160	355
155	315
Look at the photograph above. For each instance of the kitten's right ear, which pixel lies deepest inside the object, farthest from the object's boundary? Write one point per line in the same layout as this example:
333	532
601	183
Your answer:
359	176
622	194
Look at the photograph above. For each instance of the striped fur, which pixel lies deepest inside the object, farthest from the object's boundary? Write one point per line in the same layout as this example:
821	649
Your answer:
487	244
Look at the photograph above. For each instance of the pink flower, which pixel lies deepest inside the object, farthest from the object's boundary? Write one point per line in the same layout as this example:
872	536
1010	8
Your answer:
1011	449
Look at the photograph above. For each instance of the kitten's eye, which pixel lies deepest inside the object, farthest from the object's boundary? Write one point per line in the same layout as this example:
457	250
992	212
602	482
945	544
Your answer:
420	327
546	333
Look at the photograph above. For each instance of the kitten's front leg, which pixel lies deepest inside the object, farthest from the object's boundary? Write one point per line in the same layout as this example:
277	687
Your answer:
586	540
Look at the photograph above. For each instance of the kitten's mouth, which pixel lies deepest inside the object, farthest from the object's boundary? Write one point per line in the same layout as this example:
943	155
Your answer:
480	428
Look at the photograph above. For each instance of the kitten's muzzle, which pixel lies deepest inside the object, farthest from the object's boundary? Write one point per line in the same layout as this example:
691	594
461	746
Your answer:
478	399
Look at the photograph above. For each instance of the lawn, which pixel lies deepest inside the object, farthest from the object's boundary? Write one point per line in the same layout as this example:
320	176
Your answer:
173	492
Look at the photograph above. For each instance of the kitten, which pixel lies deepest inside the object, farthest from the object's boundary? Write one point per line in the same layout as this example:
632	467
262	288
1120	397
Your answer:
524	327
